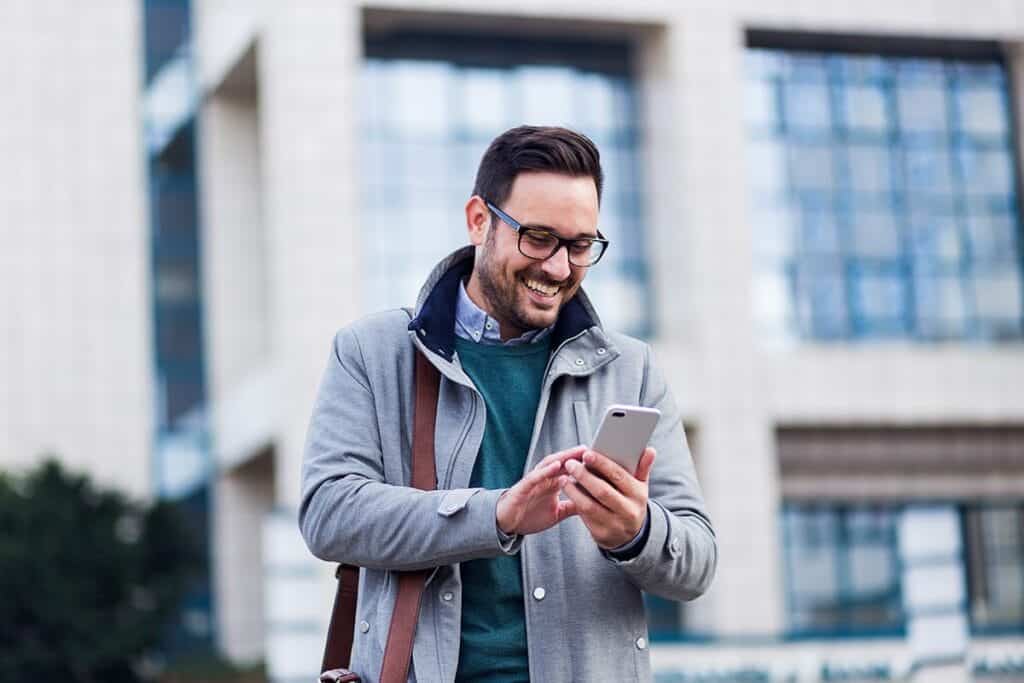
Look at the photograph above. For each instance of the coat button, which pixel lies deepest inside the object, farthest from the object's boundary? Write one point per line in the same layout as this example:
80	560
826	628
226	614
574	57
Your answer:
364	627
448	596
579	361
641	643
539	593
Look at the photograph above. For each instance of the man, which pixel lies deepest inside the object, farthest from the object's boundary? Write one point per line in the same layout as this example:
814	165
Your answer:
541	547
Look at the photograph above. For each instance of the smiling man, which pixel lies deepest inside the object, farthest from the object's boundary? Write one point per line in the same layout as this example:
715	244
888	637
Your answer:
540	547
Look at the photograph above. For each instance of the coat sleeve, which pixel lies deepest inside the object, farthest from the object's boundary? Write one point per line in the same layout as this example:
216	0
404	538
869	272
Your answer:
678	560
350	514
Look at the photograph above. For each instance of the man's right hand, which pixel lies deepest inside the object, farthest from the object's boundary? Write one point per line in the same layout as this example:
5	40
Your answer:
532	504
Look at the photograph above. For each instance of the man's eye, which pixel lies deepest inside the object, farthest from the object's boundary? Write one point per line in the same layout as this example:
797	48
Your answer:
539	239
581	247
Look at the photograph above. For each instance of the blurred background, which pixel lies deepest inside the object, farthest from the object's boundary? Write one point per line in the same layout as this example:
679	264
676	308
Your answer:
815	216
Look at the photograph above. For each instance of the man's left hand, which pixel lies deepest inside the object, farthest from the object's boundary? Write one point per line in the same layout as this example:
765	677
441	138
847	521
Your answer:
611	501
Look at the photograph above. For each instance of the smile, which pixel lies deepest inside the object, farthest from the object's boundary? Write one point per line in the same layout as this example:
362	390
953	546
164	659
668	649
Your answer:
540	288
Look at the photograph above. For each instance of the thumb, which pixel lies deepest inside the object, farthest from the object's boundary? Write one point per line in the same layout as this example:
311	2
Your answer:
643	469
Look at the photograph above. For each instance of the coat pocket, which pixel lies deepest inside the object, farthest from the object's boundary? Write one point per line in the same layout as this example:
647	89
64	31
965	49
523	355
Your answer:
582	416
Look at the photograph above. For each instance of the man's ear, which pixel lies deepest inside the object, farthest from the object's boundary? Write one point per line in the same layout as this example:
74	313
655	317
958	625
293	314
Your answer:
478	220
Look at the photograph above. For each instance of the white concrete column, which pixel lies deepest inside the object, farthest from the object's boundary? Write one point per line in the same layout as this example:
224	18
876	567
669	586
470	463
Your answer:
309	56
243	498
706	53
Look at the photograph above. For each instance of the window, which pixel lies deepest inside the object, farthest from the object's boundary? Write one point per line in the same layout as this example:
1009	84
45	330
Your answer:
884	199
842	573
429	112
995	569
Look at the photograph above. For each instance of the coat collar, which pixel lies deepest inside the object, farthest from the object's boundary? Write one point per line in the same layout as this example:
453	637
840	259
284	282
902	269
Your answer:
434	319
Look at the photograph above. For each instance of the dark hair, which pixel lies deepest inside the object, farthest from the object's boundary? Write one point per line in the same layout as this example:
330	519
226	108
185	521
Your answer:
535	148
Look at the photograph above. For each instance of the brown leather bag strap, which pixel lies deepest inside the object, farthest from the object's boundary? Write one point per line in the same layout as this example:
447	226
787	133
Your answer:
343	619
398	651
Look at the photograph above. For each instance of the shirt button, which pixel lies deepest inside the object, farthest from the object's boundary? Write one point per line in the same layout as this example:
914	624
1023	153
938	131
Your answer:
539	593
448	596
363	626
674	545
601	351
641	643
579	361
488	325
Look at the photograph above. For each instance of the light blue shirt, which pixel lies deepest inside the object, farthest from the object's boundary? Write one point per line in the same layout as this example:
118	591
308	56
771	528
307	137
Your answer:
474	324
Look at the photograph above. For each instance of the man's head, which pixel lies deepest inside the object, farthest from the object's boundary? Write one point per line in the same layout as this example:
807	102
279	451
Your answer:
541	177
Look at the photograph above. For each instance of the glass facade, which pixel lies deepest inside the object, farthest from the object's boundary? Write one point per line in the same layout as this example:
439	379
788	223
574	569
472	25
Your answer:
842	570
884	197
429	112
995	551
181	441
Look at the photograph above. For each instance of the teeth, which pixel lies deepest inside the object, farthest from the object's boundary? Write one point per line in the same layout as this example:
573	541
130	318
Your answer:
546	290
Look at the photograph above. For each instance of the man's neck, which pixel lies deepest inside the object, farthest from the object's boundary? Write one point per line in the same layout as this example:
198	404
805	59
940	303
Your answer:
476	295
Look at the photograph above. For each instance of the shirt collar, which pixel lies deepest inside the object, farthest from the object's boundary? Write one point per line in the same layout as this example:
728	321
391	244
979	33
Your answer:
473	323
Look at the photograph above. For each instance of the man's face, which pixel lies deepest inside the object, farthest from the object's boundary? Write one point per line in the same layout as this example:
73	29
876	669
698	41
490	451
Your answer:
519	292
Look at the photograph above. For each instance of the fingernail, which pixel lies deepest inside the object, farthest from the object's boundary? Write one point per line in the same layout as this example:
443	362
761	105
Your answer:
588	456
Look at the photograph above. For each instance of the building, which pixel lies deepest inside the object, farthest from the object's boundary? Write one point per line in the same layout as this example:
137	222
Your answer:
816	218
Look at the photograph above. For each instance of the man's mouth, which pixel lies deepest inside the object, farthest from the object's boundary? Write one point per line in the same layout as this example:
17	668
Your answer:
541	288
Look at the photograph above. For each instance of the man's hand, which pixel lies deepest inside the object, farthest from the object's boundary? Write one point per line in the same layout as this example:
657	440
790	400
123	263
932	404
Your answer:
532	504
611	502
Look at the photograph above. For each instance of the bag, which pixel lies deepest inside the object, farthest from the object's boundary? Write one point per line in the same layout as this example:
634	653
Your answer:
398	651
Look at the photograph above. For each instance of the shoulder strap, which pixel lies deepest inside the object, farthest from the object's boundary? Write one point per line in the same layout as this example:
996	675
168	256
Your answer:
398	651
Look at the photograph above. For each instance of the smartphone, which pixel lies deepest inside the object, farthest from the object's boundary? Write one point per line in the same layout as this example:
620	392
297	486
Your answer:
624	433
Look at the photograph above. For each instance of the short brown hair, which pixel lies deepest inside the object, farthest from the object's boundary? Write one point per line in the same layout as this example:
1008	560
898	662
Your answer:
535	148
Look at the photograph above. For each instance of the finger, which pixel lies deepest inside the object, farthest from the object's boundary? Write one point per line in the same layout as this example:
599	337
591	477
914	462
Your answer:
566	509
582	503
643	470
574	453
536	481
609	471
543	473
597	491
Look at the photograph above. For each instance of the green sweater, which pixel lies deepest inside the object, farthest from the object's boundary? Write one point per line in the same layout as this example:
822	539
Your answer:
493	646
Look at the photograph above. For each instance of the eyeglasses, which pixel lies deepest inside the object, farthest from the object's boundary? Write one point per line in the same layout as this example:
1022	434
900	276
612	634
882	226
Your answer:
540	243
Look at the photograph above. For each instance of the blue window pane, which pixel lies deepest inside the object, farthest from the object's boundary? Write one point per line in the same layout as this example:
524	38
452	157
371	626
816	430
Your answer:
997	294
807	105
987	172
811	167
484	100
762	109
866	108
767	169
820	232
876	236
841	569
881	299
821	299
870	169
935	239
907	222
983	112
928	170
993	237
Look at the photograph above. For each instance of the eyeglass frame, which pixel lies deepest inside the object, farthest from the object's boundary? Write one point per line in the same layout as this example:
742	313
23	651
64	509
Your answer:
562	241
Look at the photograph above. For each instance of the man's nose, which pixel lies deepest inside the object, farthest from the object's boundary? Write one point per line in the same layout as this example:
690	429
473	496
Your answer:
557	266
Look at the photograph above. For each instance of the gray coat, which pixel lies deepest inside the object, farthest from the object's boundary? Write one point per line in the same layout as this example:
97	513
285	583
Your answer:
584	610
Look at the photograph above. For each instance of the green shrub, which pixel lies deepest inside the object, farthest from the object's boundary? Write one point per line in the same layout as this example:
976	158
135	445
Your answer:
89	580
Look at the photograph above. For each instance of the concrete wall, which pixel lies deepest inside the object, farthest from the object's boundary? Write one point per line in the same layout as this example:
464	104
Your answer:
75	340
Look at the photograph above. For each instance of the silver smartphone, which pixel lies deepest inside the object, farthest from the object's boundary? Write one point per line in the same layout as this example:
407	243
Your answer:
624	433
